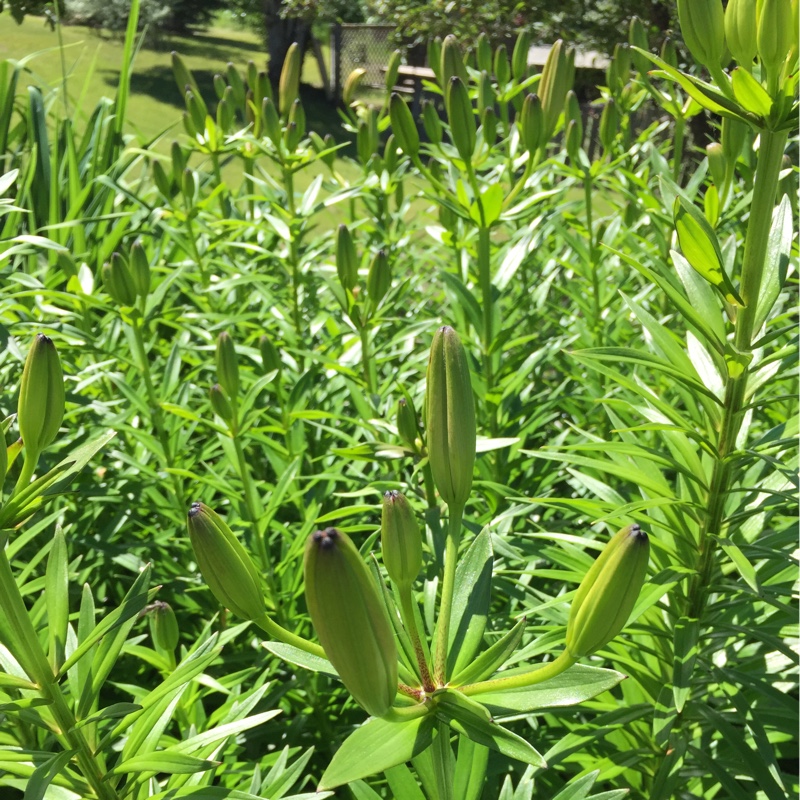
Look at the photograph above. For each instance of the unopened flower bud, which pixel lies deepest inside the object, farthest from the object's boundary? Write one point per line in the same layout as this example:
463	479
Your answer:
350	619
379	278
716	163
774	35
407	422
392	68
401	540
558	75
140	269
224	564
270	356
41	396
164	626
461	118
289	84
450	418
519	57
118	280
220	403
740	30
609	125
403	126
227	365
703	28
346	258
351	84
531	123
608	592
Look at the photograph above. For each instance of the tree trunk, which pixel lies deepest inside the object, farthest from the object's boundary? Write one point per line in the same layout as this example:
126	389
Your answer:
281	32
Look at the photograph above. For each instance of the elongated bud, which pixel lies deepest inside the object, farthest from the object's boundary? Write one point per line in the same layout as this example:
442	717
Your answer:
669	53
407	425
161	180
289	84
775	35
351	620
489	126
403	126
434	56
236	83
227	365
637	37
351	84
574	140
450	418
502	67
608	592
519	58
220	403
291	137
140	269
431	122
164	626
346	258
270	356
197	111
557	79
189	186
178	160
225	111
401	540
183	77
483	52
297	115
461	117
392	68
716	164
740	30
531	123
118	281
379	278
3	460
41	396
703	28
272	123
219	85
224	564
609	125
452	62
486	94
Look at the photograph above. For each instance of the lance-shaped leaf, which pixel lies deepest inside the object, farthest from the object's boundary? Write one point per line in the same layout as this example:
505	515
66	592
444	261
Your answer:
701	248
376	746
490	660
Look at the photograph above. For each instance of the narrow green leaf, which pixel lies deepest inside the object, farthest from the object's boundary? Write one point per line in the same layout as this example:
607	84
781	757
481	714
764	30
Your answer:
57	599
776	263
490	660
686	634
166	761
298	657
402	783
470	770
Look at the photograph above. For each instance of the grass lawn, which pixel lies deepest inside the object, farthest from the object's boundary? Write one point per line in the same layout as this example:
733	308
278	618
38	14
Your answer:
91	63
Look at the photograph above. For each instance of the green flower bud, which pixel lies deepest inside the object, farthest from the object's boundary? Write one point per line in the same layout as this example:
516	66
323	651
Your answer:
486	93
392	68
431	122
637	37
574	139
609	125
531	123
403	126
291	137
558	76
365	143
289	84
188	125
236	83
189	186
401	540
703	28
519	57
452	62
350	620
225	112
669	53
224	564
140	269
407	425
178	159
272	123
390	154
740	30
41	397
261	88
716	163
161	180
220	403
270	355
164	626
346	258
450	418
227	365
219	85
483	52
118	281
774	35
379	278
489	126
732	139
502	67
183	77
608	592
197	111
434	56
351	84
461	117
3	459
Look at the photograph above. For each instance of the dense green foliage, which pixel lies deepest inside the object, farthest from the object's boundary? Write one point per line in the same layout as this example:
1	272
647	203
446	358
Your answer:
626	365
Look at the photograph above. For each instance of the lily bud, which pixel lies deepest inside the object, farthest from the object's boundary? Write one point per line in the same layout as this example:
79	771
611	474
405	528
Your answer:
162	182
669	53
379	278
740	30
502	67
703	28
236	83
434	57
407	422
272	123
452	62
164	626
140	269
3	460
118	281
609	125
270	355
297	115
227	365
403	126
461	118
637	37
224	564
558	75
401	540
774	35
346	258
41	396
350	619
519	57
716	164
220	403
450	418
431	122
489	126
608	592
289	84
531	123
392	68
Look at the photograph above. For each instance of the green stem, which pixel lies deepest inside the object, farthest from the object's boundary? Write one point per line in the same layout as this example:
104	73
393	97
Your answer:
540	675
279	632
26	473
587	193
410	623
448	585
366	361
677	148
757	237
442	763
288	181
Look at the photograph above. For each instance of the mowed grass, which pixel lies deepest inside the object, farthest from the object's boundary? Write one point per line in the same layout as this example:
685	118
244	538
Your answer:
89	67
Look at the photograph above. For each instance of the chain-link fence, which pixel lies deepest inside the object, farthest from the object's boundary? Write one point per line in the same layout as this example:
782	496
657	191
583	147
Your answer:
365	46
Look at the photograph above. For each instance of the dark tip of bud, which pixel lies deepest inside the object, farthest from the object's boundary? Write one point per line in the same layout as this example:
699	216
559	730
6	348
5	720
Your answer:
326	539
454	79
402	401
638	533
391	495
194	509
